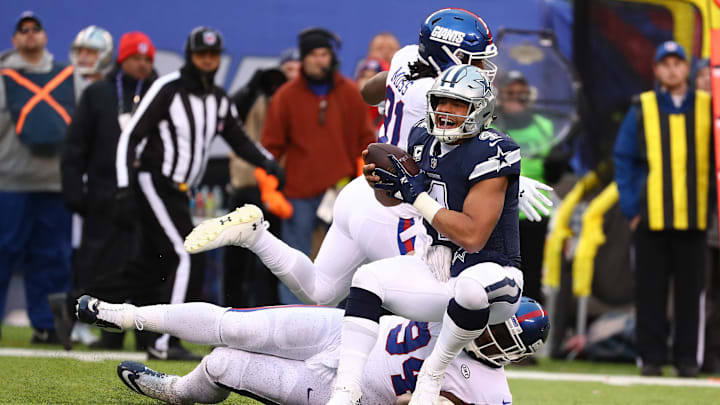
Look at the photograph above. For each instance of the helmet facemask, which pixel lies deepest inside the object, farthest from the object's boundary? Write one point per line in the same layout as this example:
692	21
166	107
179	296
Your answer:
469	85
463	57
500	344
466	125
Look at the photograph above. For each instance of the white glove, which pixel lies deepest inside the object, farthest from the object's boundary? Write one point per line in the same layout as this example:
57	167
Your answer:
530	200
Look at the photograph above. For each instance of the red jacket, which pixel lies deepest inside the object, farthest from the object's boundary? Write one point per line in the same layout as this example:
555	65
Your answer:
316	155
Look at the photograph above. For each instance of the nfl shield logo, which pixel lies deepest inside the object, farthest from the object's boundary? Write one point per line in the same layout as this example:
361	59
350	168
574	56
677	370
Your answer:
433	162
209	38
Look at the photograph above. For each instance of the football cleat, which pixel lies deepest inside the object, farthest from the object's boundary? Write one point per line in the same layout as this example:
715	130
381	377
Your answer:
148	382
427	388
241	227
111	317
347	395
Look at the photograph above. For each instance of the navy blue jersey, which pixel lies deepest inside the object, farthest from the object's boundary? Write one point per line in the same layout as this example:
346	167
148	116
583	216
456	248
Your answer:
452	173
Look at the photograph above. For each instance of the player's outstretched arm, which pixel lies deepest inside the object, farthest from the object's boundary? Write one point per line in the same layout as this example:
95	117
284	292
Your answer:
373	91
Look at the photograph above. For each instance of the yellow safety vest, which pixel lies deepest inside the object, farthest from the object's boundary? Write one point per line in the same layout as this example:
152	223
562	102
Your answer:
677	151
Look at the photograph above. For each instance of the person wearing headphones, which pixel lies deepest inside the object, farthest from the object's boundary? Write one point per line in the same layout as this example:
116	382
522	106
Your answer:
317	124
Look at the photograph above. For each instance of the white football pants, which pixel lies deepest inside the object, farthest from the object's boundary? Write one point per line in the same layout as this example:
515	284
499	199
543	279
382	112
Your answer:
362	231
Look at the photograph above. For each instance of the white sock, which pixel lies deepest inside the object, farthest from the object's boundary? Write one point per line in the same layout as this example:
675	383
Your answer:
197	386
358	338
195	322
291	266
450	343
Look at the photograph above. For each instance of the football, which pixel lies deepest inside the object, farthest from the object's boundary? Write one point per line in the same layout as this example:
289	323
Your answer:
378	154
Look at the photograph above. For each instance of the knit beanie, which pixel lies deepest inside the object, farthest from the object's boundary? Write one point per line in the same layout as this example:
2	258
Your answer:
135	42
313	38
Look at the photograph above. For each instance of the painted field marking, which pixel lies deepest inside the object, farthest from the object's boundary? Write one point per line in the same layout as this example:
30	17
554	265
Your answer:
82	356
613	379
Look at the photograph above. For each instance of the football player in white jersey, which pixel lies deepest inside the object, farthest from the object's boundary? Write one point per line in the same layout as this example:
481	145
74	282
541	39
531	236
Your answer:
288	355
448	37
364	230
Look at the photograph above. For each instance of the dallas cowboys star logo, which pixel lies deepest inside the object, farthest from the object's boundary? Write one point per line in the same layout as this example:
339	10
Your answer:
501	159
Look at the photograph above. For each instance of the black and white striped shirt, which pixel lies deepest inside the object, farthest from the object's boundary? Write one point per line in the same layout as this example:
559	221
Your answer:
172	130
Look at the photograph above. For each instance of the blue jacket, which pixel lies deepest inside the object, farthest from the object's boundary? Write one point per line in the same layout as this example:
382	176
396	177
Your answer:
631	168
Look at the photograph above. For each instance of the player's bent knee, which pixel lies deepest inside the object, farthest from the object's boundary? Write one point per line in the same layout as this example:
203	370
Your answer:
367	279
470	294
214	393
327	296
217	363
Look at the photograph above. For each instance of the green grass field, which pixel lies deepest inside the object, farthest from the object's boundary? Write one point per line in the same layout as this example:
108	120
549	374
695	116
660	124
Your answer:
70	381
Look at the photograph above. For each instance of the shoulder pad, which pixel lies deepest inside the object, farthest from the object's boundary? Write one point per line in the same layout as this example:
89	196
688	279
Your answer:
420	124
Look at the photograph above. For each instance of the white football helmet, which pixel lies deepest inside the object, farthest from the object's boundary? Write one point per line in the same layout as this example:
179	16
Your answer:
93	37
470	85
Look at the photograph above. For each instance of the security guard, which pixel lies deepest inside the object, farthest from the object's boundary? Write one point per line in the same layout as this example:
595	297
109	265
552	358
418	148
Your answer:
37	100
663	170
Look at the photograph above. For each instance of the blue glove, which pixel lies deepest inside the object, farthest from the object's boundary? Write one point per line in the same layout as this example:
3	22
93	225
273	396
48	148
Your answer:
408	185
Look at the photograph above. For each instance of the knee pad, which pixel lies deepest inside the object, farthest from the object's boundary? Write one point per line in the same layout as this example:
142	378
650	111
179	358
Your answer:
366	279
216	363
502	287
470	293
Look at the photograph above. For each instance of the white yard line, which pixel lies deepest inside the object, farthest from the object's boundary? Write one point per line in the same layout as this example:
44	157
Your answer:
511	374
82	356
613	379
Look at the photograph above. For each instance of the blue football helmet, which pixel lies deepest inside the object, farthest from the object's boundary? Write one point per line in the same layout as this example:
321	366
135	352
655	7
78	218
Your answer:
515	339
453	36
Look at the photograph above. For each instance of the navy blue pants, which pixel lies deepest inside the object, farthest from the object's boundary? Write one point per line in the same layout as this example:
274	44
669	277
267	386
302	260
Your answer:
297	233
35	238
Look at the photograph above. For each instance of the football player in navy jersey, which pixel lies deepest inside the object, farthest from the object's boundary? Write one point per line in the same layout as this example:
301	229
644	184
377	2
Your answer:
362	228
467	192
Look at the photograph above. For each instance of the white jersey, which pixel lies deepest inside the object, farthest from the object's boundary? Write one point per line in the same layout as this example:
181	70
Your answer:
402	347
381	231
405	100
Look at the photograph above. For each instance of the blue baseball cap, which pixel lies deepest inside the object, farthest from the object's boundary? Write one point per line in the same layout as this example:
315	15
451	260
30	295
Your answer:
669	48
25	16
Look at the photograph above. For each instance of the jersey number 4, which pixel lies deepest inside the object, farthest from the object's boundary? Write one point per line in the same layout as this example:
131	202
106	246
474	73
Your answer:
390	108
404	339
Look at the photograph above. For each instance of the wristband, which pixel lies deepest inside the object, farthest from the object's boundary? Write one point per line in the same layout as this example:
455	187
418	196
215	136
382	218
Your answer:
427	206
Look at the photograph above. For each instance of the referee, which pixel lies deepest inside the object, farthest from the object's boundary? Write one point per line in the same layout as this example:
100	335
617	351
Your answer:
163	153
